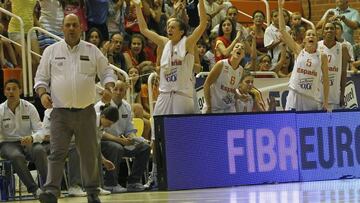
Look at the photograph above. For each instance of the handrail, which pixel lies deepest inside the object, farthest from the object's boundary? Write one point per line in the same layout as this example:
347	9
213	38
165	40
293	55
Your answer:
267	7
306	21
124	73
264	89
29	51
23	54
202	74
150	92
255	73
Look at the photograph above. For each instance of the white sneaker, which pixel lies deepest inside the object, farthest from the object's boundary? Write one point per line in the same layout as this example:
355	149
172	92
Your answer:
76	191
103	191
115	189
152	182
37	193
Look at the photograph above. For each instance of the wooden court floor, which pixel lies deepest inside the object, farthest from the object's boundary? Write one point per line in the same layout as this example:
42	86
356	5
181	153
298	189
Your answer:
344	191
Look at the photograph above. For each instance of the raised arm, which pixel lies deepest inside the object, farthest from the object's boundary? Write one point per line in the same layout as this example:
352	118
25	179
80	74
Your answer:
199	30
325	76
285	36
225	51
153	36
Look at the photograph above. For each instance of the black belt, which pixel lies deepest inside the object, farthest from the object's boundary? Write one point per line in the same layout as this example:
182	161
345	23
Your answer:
71	109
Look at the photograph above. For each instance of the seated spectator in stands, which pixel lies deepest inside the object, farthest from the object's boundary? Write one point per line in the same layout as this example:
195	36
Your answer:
7	53
25	10
210	54
94	37
285	63
356	64
232	13
272	37
136	56
116	16
134	85
226	40
258	28
214	9
21	136
76	7
97	14
264	63
222	81
113	50
298	34
51	17
204	62
158	18
120	141
348	17
295	19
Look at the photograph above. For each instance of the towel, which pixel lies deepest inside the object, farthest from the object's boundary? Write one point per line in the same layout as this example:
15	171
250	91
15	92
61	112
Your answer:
179	50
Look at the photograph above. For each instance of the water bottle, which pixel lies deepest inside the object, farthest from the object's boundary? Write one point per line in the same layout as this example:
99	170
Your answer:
3	184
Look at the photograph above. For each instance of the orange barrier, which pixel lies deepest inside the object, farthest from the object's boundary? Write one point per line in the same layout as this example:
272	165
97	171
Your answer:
12	73
249	6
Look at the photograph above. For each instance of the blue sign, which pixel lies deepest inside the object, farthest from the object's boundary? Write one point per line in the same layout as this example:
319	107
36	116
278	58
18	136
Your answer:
201	151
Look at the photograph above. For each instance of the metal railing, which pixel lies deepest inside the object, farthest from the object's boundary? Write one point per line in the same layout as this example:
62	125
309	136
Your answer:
150	92
264	73
29	52
23	54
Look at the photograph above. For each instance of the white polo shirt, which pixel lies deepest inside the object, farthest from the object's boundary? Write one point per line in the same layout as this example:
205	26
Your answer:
26	121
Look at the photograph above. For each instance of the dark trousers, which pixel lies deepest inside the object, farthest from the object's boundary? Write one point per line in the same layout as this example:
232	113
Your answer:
115	152
64	124
18	155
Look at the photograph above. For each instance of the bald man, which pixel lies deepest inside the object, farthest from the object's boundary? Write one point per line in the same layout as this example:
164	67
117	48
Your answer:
71	66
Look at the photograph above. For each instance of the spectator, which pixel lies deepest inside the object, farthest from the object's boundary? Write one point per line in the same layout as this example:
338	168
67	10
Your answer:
116	17
232	13
227	38
204	62
285	63
25	10
272	37
94	37
113	51
97	13
264	62
214	9
21	136
349	18
134	85
147	70
298	34
210	54
295	19
8	57
258	28
51	17
78	8
136	56
120	141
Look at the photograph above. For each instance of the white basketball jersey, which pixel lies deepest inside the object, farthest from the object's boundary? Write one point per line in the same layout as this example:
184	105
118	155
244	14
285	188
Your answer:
176	75
245	105
305	77
334	55
223	90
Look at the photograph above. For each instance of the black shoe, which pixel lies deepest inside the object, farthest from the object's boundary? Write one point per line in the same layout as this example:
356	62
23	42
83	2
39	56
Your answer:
47	197
93	198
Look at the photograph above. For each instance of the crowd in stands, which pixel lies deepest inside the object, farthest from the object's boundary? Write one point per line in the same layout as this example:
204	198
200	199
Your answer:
225	47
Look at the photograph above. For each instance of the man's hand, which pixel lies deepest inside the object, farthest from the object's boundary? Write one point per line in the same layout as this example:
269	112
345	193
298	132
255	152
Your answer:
27	140
46	100
109	166
125	140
